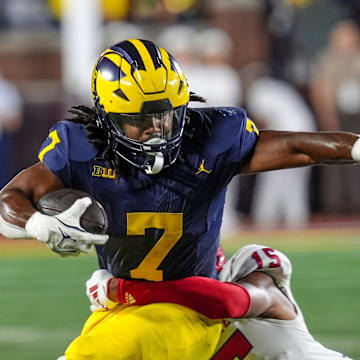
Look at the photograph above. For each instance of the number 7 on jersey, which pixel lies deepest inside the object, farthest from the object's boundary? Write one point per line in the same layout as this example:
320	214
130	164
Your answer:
172	223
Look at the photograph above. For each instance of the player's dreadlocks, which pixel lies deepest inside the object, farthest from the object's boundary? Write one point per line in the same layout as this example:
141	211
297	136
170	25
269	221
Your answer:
195	129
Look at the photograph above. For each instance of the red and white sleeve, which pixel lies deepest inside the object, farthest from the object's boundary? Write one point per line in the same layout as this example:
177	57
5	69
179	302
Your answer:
210	297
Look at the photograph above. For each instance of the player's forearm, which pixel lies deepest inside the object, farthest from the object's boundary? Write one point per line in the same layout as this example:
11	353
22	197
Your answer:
15	208
282	149
212	298
326	147
18	197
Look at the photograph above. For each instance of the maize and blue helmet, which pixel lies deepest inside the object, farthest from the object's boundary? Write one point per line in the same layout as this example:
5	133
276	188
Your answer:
141	95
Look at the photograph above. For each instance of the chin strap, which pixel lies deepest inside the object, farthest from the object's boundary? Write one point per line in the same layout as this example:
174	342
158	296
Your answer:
158	163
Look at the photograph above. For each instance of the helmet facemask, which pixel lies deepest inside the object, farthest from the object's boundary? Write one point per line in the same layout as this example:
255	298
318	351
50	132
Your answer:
149	141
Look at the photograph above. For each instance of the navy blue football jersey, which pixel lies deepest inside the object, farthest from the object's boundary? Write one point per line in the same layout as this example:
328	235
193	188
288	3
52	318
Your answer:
165	226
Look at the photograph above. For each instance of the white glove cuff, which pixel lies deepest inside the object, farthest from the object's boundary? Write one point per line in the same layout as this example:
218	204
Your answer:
34	224
355	150
11	231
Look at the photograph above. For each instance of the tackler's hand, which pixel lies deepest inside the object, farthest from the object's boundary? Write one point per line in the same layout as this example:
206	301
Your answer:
97	290
63	233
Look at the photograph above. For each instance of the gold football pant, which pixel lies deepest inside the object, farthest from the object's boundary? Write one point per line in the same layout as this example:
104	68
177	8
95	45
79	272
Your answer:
155	331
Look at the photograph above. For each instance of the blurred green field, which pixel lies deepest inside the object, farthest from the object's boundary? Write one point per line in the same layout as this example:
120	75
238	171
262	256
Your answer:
43	303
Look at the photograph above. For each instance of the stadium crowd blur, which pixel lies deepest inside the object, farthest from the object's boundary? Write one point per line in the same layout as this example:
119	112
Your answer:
293	64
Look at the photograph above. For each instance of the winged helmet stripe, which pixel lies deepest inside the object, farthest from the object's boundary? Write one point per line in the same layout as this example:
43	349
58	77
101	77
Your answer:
154	52
131	52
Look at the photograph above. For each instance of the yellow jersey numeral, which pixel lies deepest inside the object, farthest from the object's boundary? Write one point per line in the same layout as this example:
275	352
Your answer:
54	140
172	223
250	127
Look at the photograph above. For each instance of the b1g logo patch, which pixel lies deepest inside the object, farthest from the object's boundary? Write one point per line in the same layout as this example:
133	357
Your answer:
100	171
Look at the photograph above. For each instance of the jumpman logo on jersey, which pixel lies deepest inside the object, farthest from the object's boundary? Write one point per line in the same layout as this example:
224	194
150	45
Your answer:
202	169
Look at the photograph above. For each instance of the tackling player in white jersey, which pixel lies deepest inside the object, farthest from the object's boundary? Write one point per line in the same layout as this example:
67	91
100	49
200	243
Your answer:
267	336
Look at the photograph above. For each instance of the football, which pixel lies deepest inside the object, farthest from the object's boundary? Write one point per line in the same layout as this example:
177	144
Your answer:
93	220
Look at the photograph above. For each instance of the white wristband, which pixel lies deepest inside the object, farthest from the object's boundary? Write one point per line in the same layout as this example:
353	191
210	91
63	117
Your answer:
355	150
11	231
36	228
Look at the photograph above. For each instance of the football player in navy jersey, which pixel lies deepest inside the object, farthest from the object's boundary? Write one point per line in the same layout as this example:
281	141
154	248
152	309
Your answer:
159	168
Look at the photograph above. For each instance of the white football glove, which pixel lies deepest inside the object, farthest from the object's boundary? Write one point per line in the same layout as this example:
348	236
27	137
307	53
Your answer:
97	290
63	233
